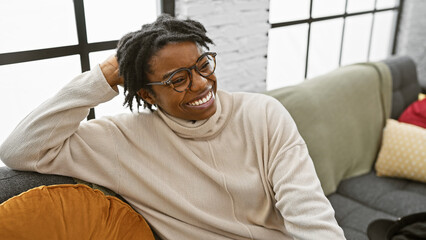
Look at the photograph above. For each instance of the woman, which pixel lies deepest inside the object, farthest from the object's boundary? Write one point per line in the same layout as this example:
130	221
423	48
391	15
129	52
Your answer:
202	164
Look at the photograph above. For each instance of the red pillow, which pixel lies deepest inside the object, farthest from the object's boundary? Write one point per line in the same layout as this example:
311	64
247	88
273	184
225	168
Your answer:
415	114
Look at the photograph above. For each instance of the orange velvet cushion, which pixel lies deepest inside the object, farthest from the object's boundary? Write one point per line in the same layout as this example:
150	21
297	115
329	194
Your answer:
70	211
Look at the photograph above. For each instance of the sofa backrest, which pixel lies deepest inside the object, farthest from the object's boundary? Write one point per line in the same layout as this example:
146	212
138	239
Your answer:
405	84
341	115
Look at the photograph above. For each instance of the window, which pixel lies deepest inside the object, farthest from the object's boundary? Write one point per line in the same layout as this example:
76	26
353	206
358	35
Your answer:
45	43
311	37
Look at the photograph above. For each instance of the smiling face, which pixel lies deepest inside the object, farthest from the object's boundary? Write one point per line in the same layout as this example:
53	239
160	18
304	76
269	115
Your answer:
197	102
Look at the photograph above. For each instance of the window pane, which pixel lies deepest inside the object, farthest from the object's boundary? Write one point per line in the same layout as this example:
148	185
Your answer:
115	105
46	24
386	4
356	39
288	10
383	30
98	57
323	8
26	85
324	49
286	56
360	5
116	18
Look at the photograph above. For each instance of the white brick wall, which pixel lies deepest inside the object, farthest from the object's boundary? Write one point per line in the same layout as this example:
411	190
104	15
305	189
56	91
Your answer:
239	29
412	35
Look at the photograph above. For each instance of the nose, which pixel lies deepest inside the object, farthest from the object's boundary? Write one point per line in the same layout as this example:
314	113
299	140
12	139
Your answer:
198	82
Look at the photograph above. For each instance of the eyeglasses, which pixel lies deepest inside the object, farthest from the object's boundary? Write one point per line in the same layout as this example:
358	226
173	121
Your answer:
181	79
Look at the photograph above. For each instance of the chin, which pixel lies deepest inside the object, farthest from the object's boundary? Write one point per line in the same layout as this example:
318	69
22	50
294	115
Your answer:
209	114
206	115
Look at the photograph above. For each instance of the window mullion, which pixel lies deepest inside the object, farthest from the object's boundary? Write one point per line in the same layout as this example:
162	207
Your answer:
398	22
308	40
371	31
343	33
82	42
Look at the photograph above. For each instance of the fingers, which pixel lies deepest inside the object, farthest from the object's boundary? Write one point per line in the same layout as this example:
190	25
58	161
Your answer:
110	70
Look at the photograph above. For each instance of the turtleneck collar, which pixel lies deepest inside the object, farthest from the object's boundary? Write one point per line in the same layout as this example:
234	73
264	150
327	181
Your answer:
202	129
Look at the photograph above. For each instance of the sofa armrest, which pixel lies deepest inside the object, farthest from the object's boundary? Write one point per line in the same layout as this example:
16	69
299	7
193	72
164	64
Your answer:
13	182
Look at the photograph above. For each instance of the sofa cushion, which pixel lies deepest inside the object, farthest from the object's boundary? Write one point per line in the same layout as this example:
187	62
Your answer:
340	116
405	85
403	151
362	199
70	211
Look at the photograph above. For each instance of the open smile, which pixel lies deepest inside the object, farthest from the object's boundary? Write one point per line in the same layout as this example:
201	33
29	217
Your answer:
202	101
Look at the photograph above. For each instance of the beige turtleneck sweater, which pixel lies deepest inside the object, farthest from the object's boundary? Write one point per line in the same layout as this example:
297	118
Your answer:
244	173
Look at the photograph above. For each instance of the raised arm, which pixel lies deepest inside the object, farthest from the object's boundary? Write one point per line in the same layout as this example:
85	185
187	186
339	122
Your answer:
52	139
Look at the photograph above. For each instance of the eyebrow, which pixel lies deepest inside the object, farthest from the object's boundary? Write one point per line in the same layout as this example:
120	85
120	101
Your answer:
167	75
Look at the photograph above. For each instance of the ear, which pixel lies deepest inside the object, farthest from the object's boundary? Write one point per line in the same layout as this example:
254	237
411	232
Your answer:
147	96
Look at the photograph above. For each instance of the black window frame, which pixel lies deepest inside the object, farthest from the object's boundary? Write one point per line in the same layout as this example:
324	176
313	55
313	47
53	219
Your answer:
345	15
83	48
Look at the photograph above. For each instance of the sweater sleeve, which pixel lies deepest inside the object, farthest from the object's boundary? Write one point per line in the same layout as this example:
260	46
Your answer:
306	211
52	139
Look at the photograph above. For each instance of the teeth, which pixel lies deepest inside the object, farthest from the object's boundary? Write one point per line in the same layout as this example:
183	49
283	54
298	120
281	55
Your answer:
203	100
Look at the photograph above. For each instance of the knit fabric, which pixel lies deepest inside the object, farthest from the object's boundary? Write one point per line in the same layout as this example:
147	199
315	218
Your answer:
244	173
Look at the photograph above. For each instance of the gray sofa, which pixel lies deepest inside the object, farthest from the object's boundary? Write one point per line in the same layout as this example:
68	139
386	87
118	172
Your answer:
351	101
341	116
360	200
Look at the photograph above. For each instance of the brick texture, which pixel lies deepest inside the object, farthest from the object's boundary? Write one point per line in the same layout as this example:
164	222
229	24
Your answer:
239	29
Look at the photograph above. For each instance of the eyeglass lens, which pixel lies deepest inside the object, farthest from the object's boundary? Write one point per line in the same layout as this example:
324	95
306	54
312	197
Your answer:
181	79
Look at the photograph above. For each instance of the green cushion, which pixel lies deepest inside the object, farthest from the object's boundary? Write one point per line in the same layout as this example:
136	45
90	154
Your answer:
341	116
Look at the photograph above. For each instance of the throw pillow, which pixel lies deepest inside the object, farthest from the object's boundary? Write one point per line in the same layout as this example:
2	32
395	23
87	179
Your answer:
70	211
403	151
415	114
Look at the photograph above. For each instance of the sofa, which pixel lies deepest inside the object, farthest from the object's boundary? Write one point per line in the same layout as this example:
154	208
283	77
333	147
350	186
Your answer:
341	115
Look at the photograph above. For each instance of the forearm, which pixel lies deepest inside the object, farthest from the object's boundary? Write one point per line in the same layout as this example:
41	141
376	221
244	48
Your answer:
306	211
48	126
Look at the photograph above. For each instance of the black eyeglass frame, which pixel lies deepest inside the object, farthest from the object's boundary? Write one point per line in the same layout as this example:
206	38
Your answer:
169	82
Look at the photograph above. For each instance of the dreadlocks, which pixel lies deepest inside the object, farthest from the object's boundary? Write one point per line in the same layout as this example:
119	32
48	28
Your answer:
135	50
